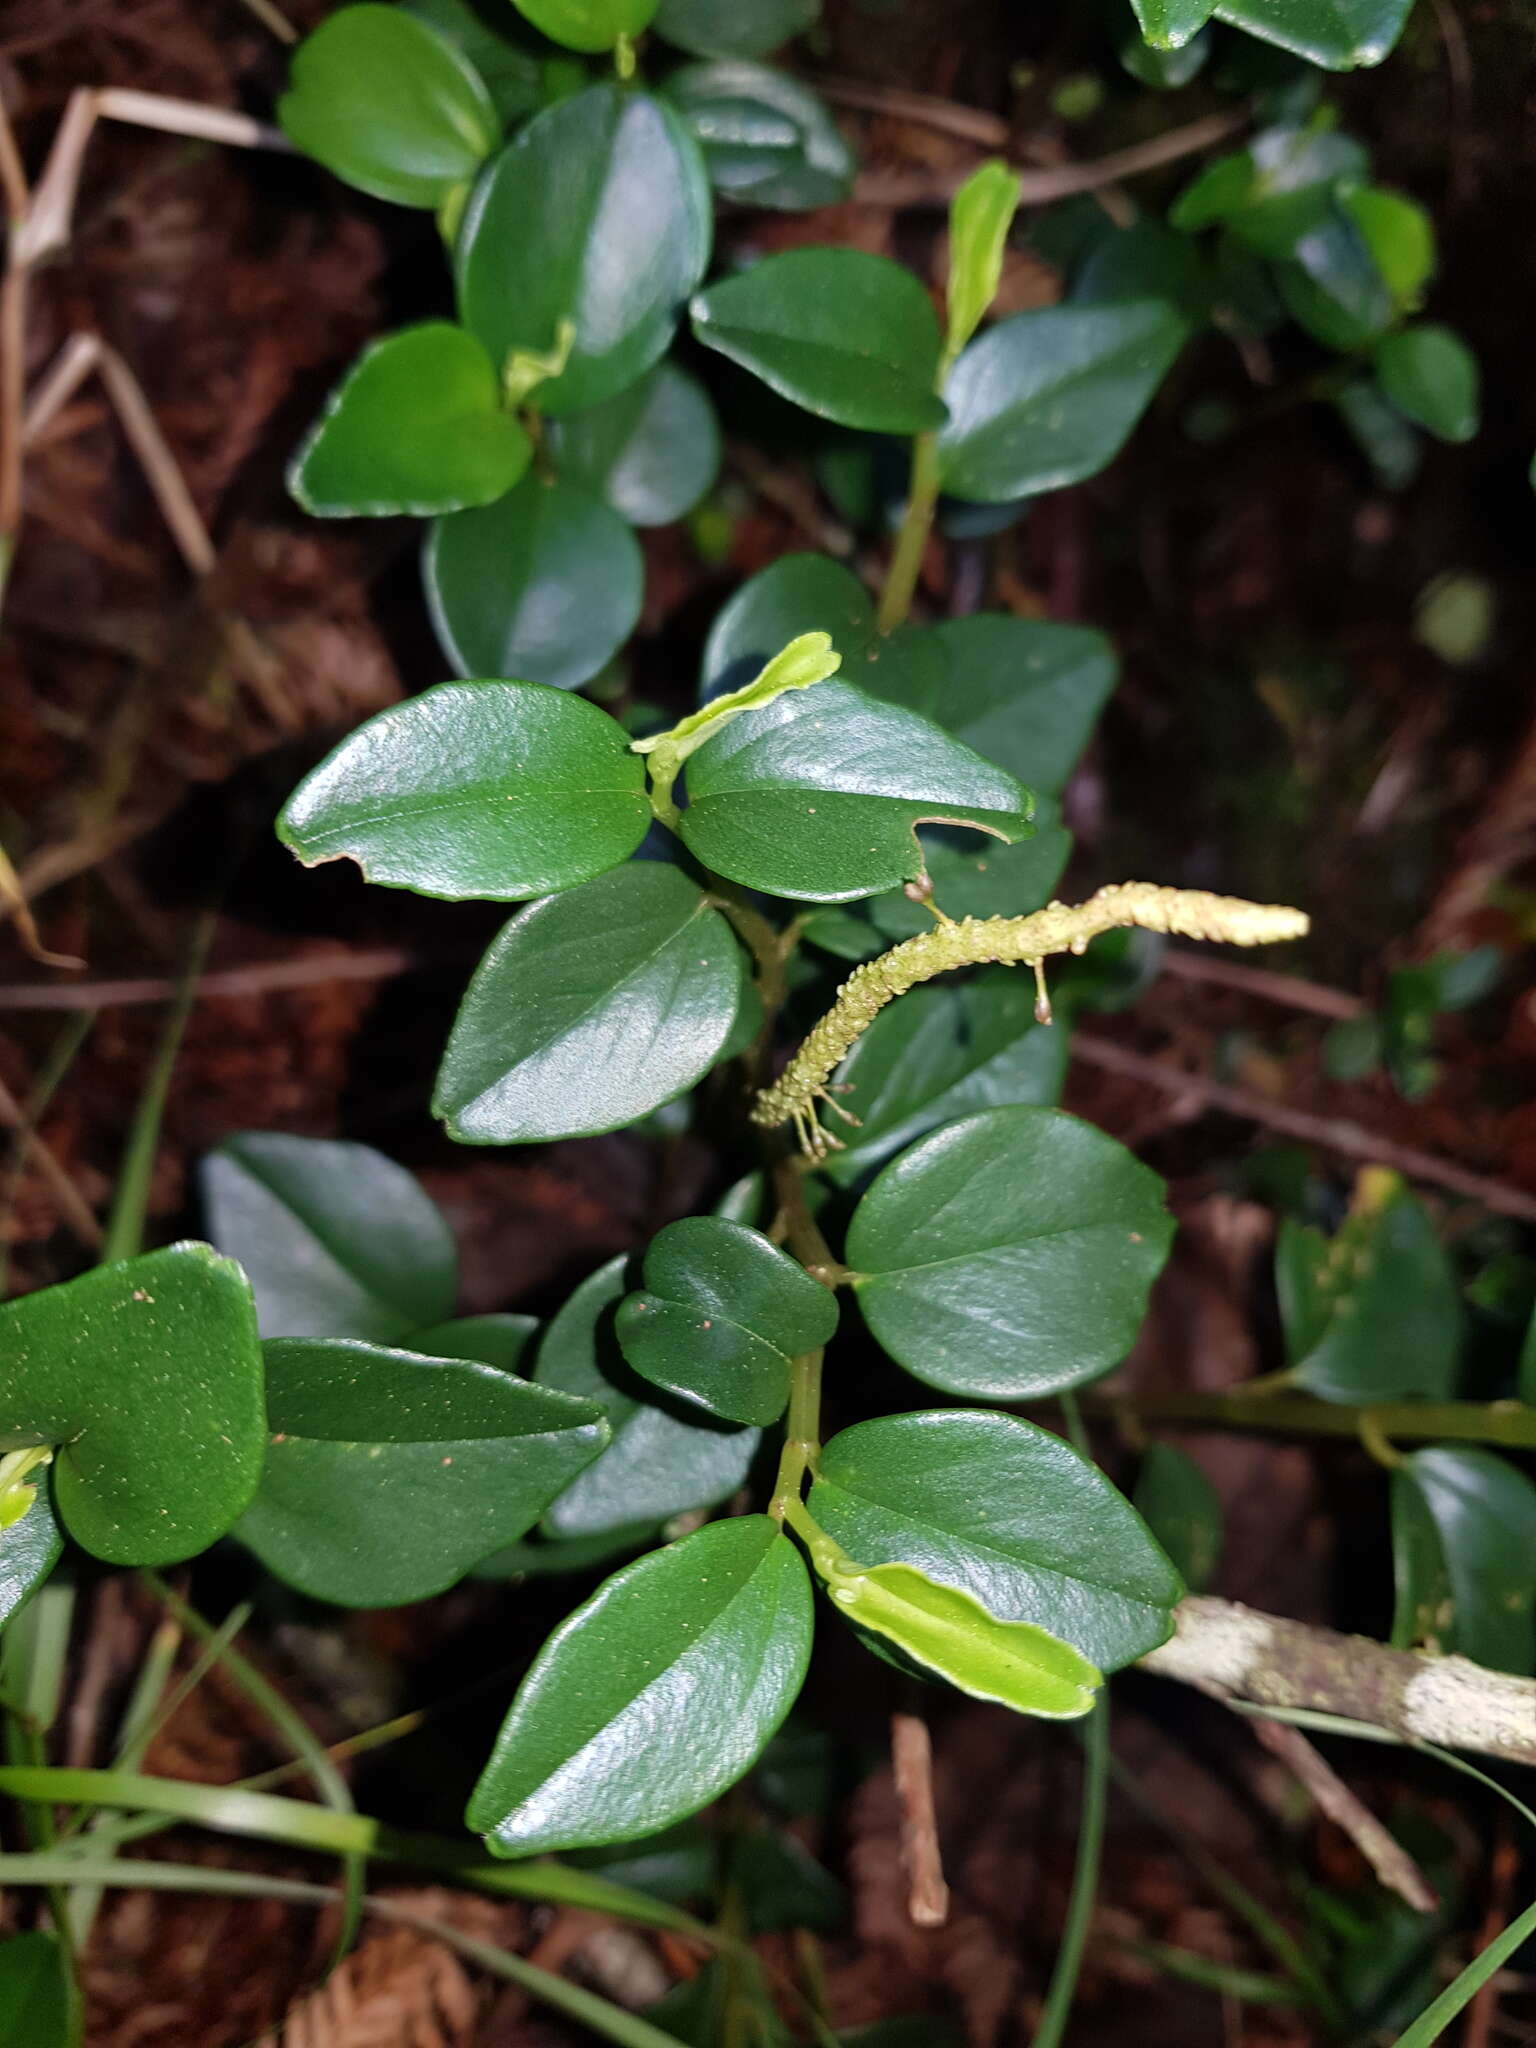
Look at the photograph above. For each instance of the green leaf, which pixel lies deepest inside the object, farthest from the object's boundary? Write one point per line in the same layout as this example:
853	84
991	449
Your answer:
338	1240
979	880
767	140
1009	1254
590	26
1277	190
954	1637
722	1314
1147	260
659	1464
1007	1513
1332	287
1183	1510
1430	374
1392	447
1399	237
512	71
849	336
1023	692
980	215
818	795
1464	1546
944	1050
147	1373
650	454
1170	24
1376	1315
582	240
654	1696
545	584
34	1993
499	1340
1161	67
385	102
389	1474
797	594
591	1009
734	28
416	426
1337	34
481	789
30	1547
1047	398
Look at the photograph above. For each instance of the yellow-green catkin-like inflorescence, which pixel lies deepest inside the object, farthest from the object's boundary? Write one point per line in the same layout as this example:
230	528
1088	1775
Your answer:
1014	941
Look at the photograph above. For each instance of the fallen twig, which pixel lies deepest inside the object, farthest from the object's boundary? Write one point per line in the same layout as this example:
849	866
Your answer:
1380	1848
912	1767
1291	990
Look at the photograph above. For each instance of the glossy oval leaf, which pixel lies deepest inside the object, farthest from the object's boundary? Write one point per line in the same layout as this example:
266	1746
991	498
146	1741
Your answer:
1337	34
1026	693
818	795
650	454
659	1463
582	241
942	1051
34	1993
389	1474
1430	374
501	1340
591	1009
415	427
147	1373
767	140
588	25
1183	1510
950	1634
385	102
1170	24
795	595
545	584
734	28
1464	1549
980	218
492	790
1009	1254
654	1696
849	336
1007	1513
508	60
1333	288
30	1545
338	1240
1047	398
720	1317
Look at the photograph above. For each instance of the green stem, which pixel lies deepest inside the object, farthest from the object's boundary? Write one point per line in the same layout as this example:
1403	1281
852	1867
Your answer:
912	540
1509	1424
1085	1880
802	1433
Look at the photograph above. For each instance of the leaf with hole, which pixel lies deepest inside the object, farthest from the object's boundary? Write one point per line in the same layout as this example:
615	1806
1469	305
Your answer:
1009	1254
417	427
660	1463
653	1697
545	584
1007	1513
974	878
721	1316
767	140
35	1996
147	1373
1183	1510
795	595
590	26
818	795
1430	374
1464	1551
1047	398
492	790
388	104
1026	693
580	244
650	454
338	1240
734	28
590	1010
848	336
389	1473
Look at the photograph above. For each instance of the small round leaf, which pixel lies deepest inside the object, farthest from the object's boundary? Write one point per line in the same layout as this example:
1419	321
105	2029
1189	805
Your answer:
590	26
795	595
1430	374
650	454
767	140
734	28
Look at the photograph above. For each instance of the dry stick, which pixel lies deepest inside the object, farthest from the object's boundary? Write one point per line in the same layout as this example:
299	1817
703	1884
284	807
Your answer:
1381	1850
261	977
73	1206
1328	1133
1237	1654
1039	187
1289	989
912	1768
971	124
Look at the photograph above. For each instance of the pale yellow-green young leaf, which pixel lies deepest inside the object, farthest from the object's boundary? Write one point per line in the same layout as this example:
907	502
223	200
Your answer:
953	1635
980	216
